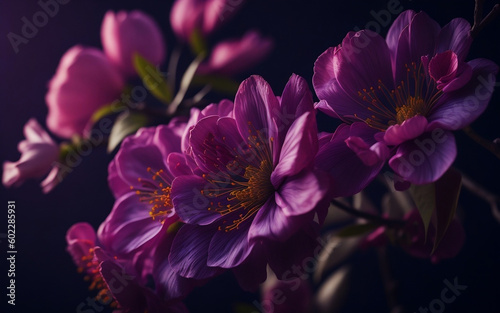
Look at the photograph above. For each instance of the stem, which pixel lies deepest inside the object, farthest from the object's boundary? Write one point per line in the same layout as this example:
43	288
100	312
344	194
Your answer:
489	145
478	12
172	66
367	216
390	284
187	78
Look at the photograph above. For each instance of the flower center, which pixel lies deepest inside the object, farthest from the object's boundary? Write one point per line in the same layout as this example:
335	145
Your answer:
156	193
413	107
415	95
245	185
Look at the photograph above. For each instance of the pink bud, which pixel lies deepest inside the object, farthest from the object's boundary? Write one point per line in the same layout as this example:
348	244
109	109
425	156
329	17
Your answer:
234	56
125	33
85	81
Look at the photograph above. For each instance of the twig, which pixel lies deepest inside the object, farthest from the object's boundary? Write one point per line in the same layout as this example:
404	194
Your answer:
371	217
487	144
482	193
479	23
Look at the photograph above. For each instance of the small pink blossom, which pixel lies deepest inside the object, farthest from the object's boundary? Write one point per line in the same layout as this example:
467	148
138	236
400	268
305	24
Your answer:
38	153
237	55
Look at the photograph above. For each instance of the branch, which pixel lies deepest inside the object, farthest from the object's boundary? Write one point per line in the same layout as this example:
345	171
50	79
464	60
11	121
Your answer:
367	216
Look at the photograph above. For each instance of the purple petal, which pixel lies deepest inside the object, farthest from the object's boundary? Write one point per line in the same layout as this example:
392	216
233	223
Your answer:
459	108
455	36
272	223
394	33
167	138
295	101
349	173
128	226
229	249
298	149
190	202
426	158
302	193
177	164
254	107
327	87
409	129
369	155
189	252
443	67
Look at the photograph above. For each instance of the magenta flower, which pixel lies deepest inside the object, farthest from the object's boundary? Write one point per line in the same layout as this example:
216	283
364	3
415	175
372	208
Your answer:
85	81
412	238
138	227
254	185
203	16
235	56
411	89
140	177
125	33
118	282
38	154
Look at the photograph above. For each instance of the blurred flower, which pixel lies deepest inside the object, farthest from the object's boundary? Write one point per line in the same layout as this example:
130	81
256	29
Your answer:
411	89
85	81
203	16
412	238
126	33
38	154
116	280
254	184
286	296
235	56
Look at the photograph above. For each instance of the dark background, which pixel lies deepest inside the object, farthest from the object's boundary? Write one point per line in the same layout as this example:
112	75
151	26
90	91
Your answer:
46	279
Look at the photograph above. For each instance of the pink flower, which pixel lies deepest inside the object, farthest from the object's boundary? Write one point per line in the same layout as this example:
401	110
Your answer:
38	153
237	55
85	80
126	33
204	16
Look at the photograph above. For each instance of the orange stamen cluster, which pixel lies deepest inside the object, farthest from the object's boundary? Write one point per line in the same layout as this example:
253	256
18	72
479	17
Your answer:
245	181
414	96
156	193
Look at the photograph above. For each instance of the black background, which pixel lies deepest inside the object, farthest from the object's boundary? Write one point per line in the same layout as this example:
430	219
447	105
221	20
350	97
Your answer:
46	279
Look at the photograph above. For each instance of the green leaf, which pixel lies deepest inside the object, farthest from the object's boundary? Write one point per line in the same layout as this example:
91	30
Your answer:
126	123
106	110
198	43
425	200
357	229
152	79
447	192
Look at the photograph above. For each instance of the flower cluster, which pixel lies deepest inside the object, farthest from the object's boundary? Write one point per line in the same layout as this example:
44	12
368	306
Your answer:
245	184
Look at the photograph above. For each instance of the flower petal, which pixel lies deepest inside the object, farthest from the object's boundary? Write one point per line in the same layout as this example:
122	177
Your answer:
190	202
426	158
189	252
298	149
229	249
349	173
303	192
455	36
409	129
255	105
459	108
